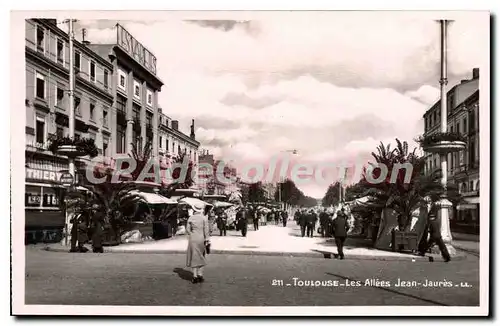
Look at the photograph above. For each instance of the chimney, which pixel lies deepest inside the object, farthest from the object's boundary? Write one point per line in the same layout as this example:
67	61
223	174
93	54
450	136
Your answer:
192	135
175	124
475	73
84	33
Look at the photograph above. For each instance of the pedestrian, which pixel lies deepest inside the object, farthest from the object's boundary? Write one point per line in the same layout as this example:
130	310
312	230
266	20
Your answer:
323	222
256	220
241	218
198	238
284	216
433	231
303	223
222	223
311	222
82	227
97	229
340	228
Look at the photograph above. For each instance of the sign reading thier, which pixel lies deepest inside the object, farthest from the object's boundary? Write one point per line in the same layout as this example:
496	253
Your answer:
35	174
135	49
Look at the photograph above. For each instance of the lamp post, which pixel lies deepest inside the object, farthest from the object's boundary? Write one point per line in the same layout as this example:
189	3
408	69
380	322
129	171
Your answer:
444	204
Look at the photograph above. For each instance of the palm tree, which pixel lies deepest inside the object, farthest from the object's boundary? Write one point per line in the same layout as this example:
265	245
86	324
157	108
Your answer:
187	182
403	197
142	156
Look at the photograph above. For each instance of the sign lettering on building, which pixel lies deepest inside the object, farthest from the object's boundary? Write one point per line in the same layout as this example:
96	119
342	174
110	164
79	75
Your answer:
135	49
44	175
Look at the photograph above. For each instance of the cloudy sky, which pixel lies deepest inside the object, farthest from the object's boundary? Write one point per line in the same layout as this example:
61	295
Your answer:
330	87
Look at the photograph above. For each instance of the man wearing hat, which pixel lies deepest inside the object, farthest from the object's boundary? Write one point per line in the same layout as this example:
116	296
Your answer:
433	230
241	220
340	228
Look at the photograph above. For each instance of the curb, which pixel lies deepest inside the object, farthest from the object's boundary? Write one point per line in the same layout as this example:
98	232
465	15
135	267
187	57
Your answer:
317	254
467	250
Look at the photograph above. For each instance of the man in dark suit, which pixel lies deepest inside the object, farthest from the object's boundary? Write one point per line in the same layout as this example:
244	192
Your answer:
311	222
242	221
323	222
284	216
256	219
433	229
222	222
340	228
303	222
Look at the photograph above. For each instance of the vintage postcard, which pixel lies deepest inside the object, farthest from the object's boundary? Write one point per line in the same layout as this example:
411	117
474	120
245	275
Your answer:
250	163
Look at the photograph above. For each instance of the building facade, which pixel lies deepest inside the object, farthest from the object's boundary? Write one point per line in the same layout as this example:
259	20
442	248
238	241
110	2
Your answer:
47	110
211	184
134	87
463	167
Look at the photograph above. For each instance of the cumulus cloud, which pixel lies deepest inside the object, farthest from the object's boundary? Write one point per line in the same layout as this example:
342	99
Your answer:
329	86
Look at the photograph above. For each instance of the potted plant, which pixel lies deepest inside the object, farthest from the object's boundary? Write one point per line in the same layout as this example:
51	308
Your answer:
442	142
73	146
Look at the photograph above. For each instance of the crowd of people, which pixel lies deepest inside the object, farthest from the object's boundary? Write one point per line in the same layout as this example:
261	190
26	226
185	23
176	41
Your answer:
245	216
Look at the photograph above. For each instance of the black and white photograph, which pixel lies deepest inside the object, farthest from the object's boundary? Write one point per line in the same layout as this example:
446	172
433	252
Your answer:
250	163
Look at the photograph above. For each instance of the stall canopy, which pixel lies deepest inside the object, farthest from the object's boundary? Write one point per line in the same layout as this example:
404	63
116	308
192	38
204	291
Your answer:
193	202
221	204
152	198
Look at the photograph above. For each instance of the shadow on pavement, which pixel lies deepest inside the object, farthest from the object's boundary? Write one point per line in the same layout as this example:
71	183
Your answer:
184	274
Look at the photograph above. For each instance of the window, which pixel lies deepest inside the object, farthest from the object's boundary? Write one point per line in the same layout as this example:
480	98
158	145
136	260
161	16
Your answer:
60	51
161	141
121	104
166	144
137	90
77	106
105	79
40	86
120	139
59	96
60	131
105	147
92	71
77	61
149	120
458	128
92	110
40	39
122	80
464	125
137	112
472	152
434	117
105	117
40	130
149	97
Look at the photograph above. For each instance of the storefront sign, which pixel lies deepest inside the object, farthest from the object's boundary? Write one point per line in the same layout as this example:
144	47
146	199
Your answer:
43	175
135	49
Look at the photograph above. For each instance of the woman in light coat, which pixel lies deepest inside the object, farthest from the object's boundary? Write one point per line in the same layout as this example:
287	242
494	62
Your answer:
198	234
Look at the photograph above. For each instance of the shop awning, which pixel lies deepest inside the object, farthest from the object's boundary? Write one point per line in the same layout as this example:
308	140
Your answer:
468	203
152	198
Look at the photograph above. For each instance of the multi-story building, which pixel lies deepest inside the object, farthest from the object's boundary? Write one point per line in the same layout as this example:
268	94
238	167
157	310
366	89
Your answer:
134	87
172	143
212	183
463	167
47	110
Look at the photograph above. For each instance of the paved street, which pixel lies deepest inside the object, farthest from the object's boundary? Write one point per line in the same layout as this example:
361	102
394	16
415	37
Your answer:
232	280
